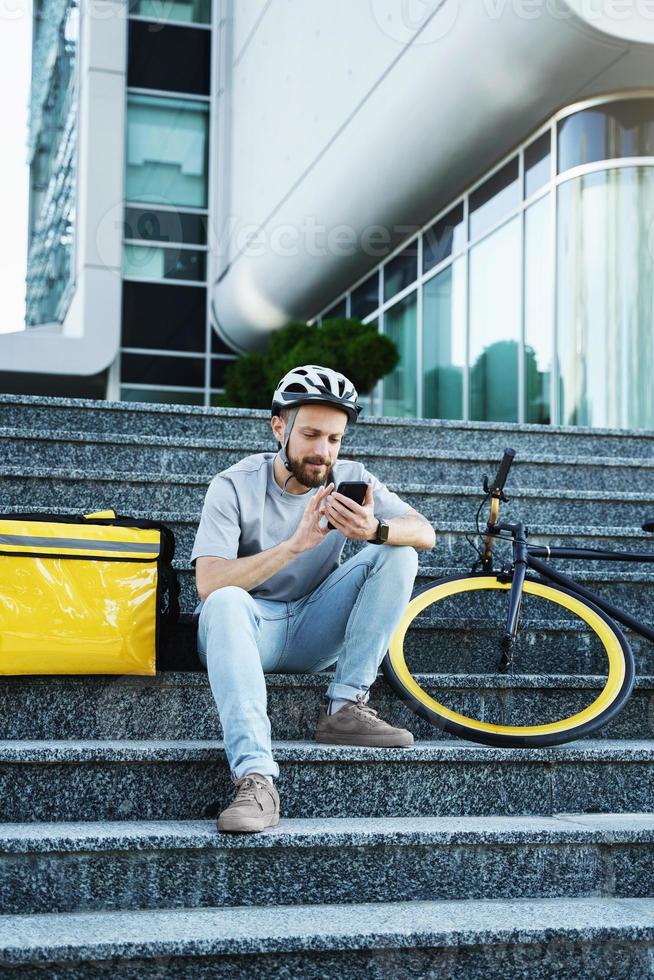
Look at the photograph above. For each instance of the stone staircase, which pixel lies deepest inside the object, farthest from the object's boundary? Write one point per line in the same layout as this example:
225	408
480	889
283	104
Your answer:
446	859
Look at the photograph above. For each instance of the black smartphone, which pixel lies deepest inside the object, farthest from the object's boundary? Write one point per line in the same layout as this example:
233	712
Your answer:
355	490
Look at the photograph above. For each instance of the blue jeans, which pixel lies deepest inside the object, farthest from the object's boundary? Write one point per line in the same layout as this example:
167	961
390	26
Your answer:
349	620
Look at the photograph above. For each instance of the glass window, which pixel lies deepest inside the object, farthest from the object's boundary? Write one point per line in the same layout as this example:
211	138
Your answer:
605	298
128	394
399	387
365	298
152	225
401	271
445	238
444	342
164	317
494	199
537	164
218	346
618	129
175	59
193	11
166	151
154	262
495	265
369	399
539	332
335	312
187	372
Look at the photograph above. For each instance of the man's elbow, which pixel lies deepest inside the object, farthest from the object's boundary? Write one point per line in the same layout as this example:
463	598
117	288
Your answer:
428	540
205	576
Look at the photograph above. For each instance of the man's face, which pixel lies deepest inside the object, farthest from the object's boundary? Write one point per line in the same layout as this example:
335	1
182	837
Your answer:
315	442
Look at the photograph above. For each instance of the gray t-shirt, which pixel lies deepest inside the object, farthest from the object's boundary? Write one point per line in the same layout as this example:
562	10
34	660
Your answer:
245	513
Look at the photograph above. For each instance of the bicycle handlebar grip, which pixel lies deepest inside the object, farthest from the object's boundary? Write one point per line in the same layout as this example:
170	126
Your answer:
503	471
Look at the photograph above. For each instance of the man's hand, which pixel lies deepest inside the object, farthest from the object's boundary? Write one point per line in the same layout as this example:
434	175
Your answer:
355	521
308	533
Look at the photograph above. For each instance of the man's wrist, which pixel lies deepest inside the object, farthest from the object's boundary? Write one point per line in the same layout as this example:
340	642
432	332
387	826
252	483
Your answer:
380	534
290	549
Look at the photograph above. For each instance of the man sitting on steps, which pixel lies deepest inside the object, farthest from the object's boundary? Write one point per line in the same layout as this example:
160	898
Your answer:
275	598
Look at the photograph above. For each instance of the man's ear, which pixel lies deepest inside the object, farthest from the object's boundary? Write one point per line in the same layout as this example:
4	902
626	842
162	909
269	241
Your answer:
278	421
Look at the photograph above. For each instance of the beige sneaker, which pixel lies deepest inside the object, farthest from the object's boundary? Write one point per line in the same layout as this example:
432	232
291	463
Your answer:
359	724
255	806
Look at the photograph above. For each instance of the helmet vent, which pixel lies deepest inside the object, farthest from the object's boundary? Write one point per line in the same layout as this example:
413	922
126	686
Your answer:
325	381
296	386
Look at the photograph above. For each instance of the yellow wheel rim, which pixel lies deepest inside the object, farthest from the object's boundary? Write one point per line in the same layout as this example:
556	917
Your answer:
603	631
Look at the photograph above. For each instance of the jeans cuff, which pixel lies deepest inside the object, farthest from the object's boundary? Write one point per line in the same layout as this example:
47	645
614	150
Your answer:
267	767
346	691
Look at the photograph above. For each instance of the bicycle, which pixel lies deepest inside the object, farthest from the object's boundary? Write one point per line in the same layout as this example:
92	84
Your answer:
503	595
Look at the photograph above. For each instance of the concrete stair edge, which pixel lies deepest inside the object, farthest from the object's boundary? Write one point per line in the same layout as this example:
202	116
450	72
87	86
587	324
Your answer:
100	935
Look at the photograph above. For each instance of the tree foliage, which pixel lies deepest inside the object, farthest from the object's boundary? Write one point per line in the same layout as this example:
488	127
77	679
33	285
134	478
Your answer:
347	345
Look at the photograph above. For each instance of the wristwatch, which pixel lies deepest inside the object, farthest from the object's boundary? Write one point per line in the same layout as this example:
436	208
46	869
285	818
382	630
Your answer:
381	536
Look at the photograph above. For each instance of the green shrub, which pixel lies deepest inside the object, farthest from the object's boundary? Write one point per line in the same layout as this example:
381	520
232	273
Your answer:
347	345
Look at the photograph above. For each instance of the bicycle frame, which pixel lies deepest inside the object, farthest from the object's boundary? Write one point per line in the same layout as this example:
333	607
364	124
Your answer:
526	556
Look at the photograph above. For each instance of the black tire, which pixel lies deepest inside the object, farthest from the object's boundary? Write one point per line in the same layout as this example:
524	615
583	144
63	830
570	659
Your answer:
610	701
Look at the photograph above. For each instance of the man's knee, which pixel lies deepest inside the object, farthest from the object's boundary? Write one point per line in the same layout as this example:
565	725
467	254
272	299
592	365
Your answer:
401	559
229	603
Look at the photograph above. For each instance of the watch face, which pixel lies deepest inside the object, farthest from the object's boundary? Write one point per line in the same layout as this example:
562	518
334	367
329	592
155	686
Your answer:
382	531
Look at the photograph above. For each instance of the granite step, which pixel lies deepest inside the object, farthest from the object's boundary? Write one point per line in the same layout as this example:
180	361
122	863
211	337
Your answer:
181	705
541	938
67	867
181	780
84	490
463	646
452	545
632	591
22	447
456	646
80	415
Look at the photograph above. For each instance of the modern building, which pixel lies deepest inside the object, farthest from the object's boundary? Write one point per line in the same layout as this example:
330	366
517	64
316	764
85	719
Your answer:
474	176
122	109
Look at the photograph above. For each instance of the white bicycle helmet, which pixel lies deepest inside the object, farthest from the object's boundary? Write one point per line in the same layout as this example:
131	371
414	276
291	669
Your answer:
311	384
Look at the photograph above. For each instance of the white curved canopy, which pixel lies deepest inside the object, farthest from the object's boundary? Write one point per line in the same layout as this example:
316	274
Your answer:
348	119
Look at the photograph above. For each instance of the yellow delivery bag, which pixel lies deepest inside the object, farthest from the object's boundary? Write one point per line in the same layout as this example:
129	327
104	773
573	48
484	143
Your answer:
84	594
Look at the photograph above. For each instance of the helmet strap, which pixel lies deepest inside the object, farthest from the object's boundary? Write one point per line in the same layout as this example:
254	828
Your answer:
287	436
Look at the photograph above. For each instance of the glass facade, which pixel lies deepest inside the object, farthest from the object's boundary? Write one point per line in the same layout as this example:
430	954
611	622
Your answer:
191	11
399	387
169	352
606	298
443	342
538	302
494	324
531	298
53	146
172	58
167	150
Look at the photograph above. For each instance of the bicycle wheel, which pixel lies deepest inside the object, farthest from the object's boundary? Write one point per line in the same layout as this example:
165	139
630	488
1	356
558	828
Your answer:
551	602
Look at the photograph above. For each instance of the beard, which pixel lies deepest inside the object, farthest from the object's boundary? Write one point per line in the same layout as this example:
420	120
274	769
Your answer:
306	474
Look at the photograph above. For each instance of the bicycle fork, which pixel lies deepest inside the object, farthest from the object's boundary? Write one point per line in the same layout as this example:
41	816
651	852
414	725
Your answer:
506	661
